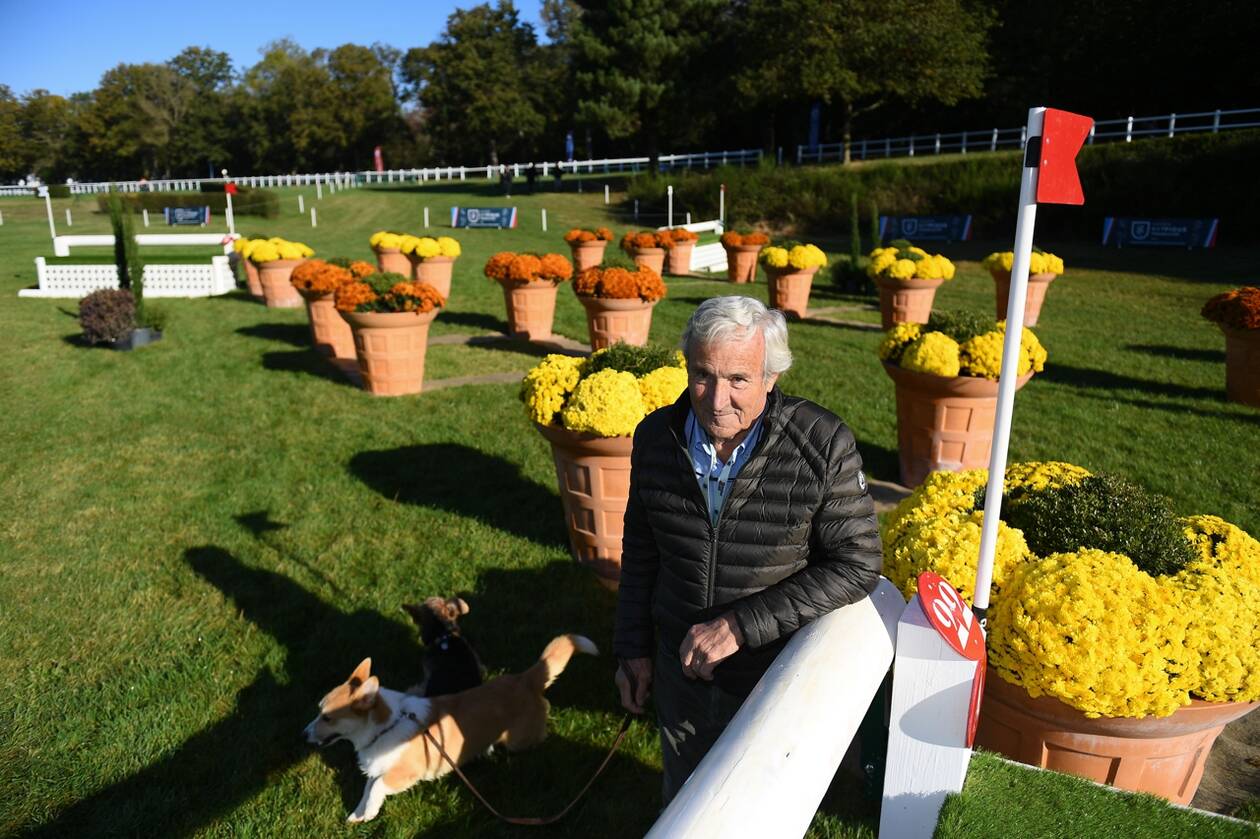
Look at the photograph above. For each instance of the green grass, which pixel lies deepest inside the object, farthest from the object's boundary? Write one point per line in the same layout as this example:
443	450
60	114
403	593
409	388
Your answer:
205	535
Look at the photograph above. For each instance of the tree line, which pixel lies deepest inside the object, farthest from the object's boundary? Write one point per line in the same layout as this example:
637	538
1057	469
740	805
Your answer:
635	77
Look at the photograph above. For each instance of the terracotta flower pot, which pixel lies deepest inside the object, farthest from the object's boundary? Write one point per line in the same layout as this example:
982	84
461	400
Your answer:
390	347
392	259
531	308
1242	365
680	258
278	292
594	478
252	280
587	254
653	258
330	332
609	320
1160	755
436	271
741	263
943	422
1038	285
789	289
906	301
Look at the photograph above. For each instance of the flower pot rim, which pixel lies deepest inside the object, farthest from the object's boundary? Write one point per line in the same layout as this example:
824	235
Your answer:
743	248
1005	276
789	271
966	386
1231	332
389	320
279	263
586	442
650	251
625	303
1196	716
594	243
912	283
515	284
378	249
439	258
311	296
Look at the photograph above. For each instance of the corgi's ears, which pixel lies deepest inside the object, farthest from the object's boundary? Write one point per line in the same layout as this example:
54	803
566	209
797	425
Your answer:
360	674
365	694
456	606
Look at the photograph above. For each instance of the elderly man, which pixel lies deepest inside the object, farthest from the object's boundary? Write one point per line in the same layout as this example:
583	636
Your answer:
748	518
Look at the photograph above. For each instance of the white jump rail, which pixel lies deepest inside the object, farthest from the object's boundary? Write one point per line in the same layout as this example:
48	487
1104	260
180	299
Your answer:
76	281
63	244
711	257
769	770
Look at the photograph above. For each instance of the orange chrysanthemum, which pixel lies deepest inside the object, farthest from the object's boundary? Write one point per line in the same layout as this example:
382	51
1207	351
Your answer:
1237	309
604	234
361	269
497	266
620	284
319	277
587	282
553	266
524	268
415	296
352	295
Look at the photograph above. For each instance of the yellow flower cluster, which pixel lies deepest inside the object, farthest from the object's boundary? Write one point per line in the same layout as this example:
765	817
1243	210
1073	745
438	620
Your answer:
982	355
799	257
1039	262
907	345
269	250
609	403
1088	627
547	385
912	263
426	247
934	352
897	339
386	239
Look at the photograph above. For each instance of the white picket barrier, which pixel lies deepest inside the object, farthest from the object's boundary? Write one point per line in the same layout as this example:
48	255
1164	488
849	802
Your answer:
711	258
75	281
63	244
767	773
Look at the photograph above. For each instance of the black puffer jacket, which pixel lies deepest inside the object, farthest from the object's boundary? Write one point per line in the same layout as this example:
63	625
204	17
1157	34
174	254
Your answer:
796	538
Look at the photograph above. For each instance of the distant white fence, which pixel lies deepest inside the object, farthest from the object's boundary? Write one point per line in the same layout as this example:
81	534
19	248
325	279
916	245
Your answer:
159	280
63	244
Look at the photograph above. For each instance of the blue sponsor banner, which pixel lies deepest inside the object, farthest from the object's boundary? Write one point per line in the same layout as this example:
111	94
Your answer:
925	228
186	215
483	217
1160	232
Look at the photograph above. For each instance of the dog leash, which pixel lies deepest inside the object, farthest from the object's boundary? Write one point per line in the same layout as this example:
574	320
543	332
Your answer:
534	821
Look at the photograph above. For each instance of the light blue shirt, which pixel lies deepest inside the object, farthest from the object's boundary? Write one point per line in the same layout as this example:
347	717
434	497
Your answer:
714	476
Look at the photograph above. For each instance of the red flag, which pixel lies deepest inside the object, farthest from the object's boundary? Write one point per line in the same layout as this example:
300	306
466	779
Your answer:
1062	135
229	188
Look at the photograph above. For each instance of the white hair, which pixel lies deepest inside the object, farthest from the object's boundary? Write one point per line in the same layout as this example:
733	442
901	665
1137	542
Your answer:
738	318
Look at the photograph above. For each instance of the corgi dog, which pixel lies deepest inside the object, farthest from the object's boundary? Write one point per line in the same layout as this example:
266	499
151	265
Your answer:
450	663
387	727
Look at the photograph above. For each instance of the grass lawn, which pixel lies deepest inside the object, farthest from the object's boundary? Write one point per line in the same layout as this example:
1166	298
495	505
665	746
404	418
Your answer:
205	535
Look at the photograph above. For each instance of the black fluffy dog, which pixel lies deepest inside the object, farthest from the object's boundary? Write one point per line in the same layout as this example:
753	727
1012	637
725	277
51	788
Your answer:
450	664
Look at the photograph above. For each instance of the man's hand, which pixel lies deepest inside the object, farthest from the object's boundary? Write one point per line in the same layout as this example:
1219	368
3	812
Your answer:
709	644
634	681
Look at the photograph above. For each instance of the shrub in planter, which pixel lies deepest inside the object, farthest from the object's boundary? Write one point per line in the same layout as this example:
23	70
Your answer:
790	269
317	281
618	302
529	289
907	277
1043	268
390	317
107	315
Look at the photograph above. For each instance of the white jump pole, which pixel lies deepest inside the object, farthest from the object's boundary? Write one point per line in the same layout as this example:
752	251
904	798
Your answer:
605	193
146	217
52	226
544	220
669	192
319	188
1	219
301	204
722	205
688	218
426	218
69	218
313	223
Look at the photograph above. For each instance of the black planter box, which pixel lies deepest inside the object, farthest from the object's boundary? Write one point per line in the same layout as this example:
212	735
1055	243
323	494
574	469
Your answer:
138	338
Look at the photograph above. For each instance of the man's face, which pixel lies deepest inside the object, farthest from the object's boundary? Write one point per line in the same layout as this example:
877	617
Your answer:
726	385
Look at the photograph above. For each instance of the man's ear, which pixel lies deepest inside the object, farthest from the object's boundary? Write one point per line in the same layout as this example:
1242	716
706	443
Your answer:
361	673
770	382
365	695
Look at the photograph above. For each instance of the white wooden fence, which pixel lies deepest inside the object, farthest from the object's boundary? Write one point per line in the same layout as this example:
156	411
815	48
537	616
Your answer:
159	280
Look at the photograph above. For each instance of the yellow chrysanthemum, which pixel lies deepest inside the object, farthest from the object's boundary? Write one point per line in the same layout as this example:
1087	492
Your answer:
932	352
897	338
426	247
774	257
901	269
448	246
608	403
264	251
662	387
545	387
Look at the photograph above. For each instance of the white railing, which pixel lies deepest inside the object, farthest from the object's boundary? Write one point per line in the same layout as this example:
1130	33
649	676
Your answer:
78	281
63	244
992	139
767	773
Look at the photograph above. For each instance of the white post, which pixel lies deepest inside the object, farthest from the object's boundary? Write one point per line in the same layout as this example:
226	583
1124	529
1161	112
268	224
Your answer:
313	222
461	173
301	205
1172	124
1128	131
52	228
426	218
605	193
146	217
1024	224
332	187
319	189
722	204
544	219
669	220
231	218
1	218
688	218
69	218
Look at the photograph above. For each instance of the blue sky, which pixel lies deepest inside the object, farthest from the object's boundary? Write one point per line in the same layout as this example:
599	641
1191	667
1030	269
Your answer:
65	46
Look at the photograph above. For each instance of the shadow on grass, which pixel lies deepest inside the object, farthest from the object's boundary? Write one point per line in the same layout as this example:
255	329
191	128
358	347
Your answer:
305	361
1106	380
1242	414
467	482
294	334
258	522
879	462
1182	353
476	319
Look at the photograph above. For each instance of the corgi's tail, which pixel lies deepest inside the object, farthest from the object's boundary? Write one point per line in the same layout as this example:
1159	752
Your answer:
556	657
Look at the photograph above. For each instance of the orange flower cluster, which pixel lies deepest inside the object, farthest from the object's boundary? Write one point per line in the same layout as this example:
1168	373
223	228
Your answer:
361	269
517	268
677	236
1237	309
319	277
414	296
579	235
406	296
731	239
637	241
620	284
352	295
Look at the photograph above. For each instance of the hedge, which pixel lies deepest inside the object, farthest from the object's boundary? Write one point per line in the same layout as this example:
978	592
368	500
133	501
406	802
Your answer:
246	202
1188	176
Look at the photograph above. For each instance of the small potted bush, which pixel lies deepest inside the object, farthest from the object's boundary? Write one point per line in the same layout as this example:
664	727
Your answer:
243	247
317	281
387	245
1043	268
431	260
390	317
946	378
742	248
529	290
645	248
618	301
276	258
588	246
587	410
790	268
1237	314
907	277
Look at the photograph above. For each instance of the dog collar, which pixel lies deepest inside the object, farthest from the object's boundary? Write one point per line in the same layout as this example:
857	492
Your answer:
405	715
